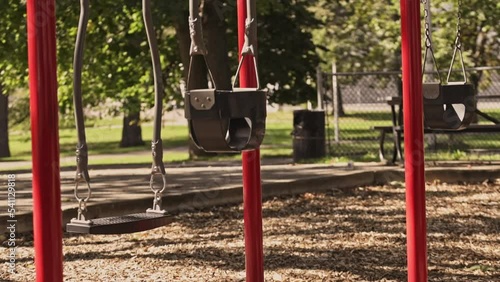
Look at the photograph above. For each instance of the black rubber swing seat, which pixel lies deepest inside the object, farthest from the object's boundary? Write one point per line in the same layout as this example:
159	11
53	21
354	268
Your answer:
439	101
124	224
226	120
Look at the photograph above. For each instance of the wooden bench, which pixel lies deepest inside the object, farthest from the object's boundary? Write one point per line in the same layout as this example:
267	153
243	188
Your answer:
397	130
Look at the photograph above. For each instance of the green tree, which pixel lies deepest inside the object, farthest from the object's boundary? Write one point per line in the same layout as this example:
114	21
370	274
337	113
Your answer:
287	53
117	58
13	65
359	35
365	35
117	62
480	27
4	125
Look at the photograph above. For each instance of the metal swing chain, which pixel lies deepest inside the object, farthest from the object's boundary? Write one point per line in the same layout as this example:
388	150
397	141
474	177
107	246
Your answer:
82	173
428	41
427	25
459	27
158	168
197	42
198	46
458	46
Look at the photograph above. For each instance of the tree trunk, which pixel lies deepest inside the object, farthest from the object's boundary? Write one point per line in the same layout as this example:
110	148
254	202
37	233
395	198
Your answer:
475	78
4	125
131	132
214	30
341	103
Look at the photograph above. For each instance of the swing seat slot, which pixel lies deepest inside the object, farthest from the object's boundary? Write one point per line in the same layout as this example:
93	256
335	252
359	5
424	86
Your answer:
440	102
120	224
225	120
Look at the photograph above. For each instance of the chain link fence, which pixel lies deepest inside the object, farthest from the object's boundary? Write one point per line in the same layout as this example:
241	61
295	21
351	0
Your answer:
362	102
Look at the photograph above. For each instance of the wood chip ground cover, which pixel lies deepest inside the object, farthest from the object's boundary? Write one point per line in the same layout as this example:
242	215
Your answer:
349	235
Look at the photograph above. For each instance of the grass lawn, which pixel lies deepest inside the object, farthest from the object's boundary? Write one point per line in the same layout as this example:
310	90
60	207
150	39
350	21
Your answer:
103	137
357	141
101	140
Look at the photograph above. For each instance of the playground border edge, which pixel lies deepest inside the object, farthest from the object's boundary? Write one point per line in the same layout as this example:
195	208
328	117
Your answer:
217	196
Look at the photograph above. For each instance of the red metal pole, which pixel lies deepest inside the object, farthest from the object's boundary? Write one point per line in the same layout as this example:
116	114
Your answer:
45	140
414	141
252	188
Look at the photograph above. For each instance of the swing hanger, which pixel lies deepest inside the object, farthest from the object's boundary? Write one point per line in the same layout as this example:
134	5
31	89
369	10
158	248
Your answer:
223	120
444	101
458	48
153	217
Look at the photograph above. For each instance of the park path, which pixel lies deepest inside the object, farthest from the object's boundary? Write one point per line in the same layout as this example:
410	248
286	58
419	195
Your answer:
126	190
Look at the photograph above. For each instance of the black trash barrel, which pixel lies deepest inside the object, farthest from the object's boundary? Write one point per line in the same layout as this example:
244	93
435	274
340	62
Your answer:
308	135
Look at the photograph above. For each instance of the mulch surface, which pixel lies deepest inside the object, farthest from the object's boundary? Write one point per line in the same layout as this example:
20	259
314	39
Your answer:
342	235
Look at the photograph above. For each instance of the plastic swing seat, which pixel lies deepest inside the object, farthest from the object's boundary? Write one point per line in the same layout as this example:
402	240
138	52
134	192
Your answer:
224	120
440	102
124	224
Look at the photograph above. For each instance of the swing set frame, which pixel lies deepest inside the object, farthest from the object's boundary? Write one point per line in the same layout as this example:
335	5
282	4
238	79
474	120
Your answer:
47	219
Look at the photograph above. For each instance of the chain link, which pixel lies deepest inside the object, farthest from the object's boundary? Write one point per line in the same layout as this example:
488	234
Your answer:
160	189
82	210
82	176
82	201
157	190
458	40
428	42
458	46
157	198
426	24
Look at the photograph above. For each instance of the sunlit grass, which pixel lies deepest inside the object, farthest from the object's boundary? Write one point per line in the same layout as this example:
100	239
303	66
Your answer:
101	140
358	141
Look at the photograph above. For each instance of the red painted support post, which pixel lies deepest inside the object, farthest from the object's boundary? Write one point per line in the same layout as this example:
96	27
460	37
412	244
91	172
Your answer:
416	230
252	188
45	140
